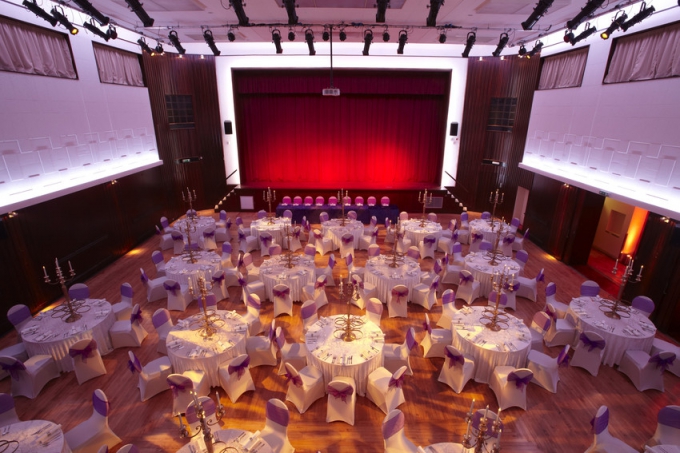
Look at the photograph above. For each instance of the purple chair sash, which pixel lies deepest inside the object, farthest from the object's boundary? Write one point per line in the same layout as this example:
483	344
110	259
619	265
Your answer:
297	380
400	235
349	260
457	248
455	359
411	339
550	313
177	387
13	369
427	326
340	394
136	317
144	278
173	288
434	285
307	311
445	260
374	233
318	235
591	344
477	237
600	423
508	240
399	294
393	426
550	289
347	239
239	369
277	414
669	416
100	405
454	236
241	236
19	315
563	357
520	383
134	366
266	239
239	262
218	279
448	298
242	282
429	241
281	293
176	236
320	284
589	291
209	234
661	362
331	261
126	290
511	287
398	382
437	267
465	279
79	293
228	224
541	277
252	302
296	233
239	221
85	353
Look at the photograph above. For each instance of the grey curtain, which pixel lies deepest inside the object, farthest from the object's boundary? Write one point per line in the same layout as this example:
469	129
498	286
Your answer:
117	66
563	70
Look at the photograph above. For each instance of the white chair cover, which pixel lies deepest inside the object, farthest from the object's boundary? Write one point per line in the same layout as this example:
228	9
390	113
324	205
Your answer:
561	331
589	351
448	309
154	288
275	431
385	388
645	371
457	370
182	385
261	349
283	303
435	340
546	368
509	385
304	386
129	333
29	377
604	442
342	398
8	413
293	353
393	434
235	377
86	359
153	377
396	306
178	295
374	309
667	428
94	432
396	355
469	288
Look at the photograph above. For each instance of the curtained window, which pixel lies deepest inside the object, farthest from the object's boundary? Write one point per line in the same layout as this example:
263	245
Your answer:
118	66
563	70
29	49
652	54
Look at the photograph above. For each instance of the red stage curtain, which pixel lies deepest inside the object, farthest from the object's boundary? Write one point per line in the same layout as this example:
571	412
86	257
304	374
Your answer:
386	129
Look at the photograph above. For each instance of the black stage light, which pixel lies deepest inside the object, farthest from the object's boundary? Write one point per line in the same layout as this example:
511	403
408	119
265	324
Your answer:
470	41
538	12
145	47
386	36
210	41
615	25
136	8
382	7
240	12
92	11
522	51
569	36
231	36
403	37
59	15
343	35
442	38
38	11
290	10
434	10
276	38
368	39
174	39
325	35
585	12
584	34
291	35
112	32
502	42
309	38
537	48
93	28
159	48
639	17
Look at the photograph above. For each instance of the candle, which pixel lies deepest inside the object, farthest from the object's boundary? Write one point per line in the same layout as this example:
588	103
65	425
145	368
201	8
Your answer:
181	425
193	393
70	267
486	412
639	273
217	395
467	432
498	439
498	416
45	271
472	405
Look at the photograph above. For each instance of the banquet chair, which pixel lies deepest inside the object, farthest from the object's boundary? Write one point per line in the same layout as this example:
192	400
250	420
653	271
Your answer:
293	353
374	309
485	246
463	235
354	271
294	241
18	351
589	288
435	340
456	254
342	398
359	201
182	386
256	287
393	434
457	370
643	304
432	217
588	352
80	291
352	215
371	227
385	201
94	432
129	333
403	243
288	214
261	349
469	288
286	201
153	377
384	388
275	431
403	215
658	345
297	201
502	303
371	201
283	303
506	245
178	296
252	315
560	332
207	239
235	377
219	286
252	271
261	214
528	286
373	250
167	228
546	368
19	315
29	377
86	359
427	277
323	217
177	242
667	427
364	290
333	201
390	234
304	386
123	309
309	201
451	271
540	324
8	413
464	218
448	309
162	322
603	442
308	313
492	438
519	241
396	355
316	292
645	371
425	295
347	245
320	201
265	241
428	246
164	239
227	250
486	215
222	220
521	258
396	305
323	245
476	240
514	224
247	243
413	252
560	308
509	384
154	288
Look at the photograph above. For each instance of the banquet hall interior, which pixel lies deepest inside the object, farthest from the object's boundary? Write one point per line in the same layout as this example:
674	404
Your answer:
446	147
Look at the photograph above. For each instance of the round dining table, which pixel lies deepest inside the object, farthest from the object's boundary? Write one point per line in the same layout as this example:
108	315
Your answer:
486	229
487	348
276	229
34	436
336	357
416	233
334	230
229	441
635	333
188	350
479	265
379	273
48	333
182	270
274	271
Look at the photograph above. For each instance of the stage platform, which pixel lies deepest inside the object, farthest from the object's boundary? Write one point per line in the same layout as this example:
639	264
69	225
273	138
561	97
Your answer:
364	213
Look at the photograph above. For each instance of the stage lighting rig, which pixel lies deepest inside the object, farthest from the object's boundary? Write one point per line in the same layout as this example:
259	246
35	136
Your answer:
639	17
403	37
502	42
309	38
434	10
210	41
136	8
290	10
539	10
38	11
240	12
276	38
59	15
615	25
89	25
585	12
368	39
469	42
382	7
92	11
174	39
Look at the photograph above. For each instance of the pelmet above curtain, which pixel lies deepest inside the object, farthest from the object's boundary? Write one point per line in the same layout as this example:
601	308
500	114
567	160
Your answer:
117	66
563	70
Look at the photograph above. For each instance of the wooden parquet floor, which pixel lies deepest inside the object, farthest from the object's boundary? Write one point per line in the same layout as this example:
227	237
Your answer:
552	423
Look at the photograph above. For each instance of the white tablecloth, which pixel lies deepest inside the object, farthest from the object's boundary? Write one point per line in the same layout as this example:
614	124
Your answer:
202	223
481	270
487	348
635	333
273	272
483	227
52	336
663	449
188	350
445	447
181	270
49	437
239	441
416	233
333	230
276	230
336	357
385	277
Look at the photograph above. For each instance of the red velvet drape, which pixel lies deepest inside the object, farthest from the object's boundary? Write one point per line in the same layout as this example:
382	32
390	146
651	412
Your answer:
386	129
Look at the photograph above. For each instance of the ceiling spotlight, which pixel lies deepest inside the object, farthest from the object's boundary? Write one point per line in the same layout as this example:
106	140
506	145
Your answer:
276	38
145	47
290	10
584	34
537	48
639	17
585	12
159	48
291	35
240	12
434	10
174	39
309	37
522	51
368	39
136	8
231	36
615	25
386	35
210	41
343	35
92	11
568	36
325	35
538	12
59	15
89	25
382	7
471	38
442	37
38	11
502	42
403	37
112	32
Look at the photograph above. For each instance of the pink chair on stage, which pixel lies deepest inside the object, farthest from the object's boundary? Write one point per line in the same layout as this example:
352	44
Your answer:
385	201
347	201
297	201
371	201
333	201
285	201
359	201
309	201
320	201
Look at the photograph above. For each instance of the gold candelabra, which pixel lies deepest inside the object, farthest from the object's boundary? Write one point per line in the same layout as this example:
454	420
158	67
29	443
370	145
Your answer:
496	200
190	198
397	258
288	255
207	324
341	196
422	198
204	423
493	318
187	227
478	443
617	309
348	328
269	196
70	310
495	252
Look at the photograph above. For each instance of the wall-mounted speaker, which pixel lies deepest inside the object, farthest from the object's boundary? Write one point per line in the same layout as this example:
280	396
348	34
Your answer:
227	128
453	132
